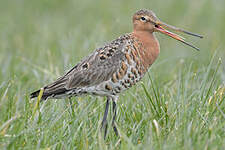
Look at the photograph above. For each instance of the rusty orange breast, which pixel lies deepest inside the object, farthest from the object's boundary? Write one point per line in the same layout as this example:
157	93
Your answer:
147	47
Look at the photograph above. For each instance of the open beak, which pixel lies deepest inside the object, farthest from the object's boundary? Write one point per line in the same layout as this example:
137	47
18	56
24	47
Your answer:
159	27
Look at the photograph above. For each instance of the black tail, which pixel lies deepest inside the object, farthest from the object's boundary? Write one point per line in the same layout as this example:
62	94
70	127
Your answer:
49	93
36	93
53	90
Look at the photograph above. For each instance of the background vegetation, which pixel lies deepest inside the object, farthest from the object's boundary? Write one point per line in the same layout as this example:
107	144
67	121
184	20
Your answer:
179	105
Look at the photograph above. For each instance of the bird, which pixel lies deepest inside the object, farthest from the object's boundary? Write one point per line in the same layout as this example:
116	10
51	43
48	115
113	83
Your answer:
116	66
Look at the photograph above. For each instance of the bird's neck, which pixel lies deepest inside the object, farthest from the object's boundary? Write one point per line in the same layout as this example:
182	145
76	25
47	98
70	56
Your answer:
151	47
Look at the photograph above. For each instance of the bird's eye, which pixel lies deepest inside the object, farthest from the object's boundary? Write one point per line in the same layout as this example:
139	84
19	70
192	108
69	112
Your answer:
143	19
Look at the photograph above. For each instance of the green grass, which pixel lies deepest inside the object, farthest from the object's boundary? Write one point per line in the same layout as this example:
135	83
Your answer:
180	104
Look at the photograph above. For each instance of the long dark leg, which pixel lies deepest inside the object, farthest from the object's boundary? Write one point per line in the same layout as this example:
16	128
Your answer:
104	121
114	117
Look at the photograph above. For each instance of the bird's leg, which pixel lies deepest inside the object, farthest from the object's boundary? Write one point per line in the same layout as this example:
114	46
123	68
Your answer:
114	117
104	121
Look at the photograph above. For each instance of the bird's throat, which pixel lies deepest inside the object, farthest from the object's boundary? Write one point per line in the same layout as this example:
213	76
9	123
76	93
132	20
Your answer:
150	49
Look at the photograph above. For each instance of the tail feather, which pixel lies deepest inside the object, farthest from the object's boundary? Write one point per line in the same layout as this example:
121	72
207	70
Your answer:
34	94
52	90
49	93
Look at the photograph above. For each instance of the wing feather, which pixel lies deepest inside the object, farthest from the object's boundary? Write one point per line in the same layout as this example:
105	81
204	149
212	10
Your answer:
92	70
98	70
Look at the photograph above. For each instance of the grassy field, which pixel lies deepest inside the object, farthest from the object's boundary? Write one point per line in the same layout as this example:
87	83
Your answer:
180	104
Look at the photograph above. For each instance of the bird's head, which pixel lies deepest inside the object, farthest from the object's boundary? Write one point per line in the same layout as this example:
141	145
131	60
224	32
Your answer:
146	20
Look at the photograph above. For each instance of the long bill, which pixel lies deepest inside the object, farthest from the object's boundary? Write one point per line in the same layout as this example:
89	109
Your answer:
159	27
